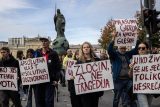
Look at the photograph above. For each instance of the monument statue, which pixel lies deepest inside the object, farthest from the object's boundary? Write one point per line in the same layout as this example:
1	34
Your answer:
59	21
60	44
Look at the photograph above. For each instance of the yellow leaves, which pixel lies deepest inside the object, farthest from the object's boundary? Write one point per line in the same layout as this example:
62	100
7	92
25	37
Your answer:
106	33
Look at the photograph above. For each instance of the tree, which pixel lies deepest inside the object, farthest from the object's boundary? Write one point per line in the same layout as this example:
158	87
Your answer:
106	34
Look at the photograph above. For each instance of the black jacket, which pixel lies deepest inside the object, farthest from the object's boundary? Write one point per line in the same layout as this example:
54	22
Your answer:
53	63
11	62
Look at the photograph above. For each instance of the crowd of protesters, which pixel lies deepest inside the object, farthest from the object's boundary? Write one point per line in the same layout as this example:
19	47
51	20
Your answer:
44	92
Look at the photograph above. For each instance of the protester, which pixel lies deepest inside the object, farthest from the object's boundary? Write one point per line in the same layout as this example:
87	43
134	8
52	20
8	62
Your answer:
22	90
30	54
76	55
87	55
144	100
75	99
62	72
9	61
68	56
44	92
120	67
20	55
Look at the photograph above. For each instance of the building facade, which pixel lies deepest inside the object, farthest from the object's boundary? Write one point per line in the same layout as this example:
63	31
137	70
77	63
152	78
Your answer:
24	43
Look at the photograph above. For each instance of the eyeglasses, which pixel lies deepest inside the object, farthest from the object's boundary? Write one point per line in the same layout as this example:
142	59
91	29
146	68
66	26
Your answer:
143	48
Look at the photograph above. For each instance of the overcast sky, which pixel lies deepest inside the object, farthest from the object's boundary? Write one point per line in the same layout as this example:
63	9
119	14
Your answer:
84	18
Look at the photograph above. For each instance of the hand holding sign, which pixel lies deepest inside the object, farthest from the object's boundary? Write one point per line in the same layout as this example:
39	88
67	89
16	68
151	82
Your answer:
72	78
131	65
130	73
55	83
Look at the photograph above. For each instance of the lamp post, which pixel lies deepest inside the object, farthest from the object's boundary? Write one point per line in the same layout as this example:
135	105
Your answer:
147	18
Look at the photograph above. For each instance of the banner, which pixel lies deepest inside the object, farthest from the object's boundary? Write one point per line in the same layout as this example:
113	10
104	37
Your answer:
127	32
34	71
8	78
93	77
69	72
146	73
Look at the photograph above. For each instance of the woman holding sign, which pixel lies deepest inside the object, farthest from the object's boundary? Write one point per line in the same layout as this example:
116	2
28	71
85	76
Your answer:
87	55
75	99
144	100
30	54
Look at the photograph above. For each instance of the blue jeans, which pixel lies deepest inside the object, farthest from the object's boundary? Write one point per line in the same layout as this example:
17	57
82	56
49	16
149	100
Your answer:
121	88
44	95
144	100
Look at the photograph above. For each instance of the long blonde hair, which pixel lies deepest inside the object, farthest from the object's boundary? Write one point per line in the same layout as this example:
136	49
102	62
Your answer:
92	54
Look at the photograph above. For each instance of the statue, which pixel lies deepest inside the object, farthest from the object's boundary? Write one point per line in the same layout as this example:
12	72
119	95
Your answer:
60	44
59	21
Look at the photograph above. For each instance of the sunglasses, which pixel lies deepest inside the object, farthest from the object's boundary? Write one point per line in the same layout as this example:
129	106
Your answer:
141	48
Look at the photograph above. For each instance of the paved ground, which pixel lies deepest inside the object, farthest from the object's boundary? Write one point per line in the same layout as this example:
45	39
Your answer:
105	101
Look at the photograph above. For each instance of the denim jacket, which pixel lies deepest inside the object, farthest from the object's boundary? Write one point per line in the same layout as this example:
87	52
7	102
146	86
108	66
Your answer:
116	61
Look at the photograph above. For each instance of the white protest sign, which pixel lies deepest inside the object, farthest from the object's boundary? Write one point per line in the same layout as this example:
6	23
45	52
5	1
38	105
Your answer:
69	71
93	77
8	78
127	32
146	73
34	71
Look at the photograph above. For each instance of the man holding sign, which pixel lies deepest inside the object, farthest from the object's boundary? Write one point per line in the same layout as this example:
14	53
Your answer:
45	91
9	69
120	67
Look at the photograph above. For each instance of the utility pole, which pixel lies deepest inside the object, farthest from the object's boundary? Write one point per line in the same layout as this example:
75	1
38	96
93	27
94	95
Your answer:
149	6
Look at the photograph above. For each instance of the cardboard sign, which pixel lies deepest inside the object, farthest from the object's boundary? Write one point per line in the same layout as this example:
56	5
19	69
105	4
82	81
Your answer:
8	78
69	72
93	77
146	73
34	71
127	32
